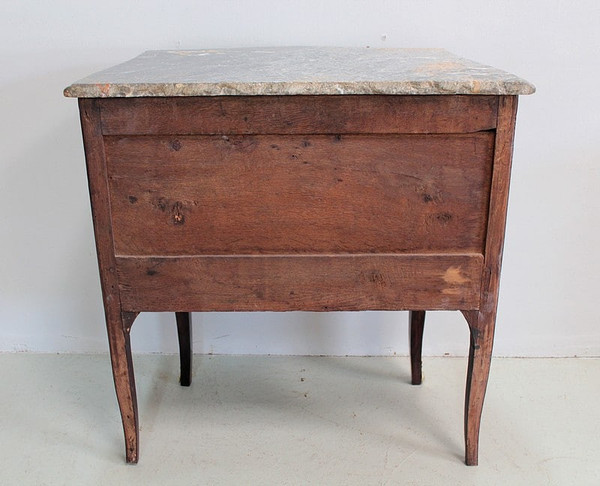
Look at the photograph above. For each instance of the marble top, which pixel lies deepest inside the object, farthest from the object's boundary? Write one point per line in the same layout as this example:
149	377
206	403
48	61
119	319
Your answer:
298	71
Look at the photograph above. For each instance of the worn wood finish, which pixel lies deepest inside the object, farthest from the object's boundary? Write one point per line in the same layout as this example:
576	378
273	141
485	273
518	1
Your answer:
235	115
416	325
481	331
482	322
184	335
118	323
299	203
309	283
299	194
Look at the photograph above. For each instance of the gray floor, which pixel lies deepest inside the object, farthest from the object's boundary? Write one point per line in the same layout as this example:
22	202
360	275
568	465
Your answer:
298	420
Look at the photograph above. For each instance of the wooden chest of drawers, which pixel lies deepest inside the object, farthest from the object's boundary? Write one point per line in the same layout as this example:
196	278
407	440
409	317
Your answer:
299	199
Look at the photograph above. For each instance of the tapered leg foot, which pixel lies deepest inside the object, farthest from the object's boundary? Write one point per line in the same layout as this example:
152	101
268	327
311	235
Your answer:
480	356
122	367
416	325
184	333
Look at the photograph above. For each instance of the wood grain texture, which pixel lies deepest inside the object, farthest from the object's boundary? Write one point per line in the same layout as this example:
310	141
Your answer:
233	115
482	323
299	194
481	327
118	324
309	283
316	203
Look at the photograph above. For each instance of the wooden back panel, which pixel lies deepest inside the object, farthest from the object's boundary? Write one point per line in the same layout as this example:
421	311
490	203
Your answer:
299	203
246	115
299	194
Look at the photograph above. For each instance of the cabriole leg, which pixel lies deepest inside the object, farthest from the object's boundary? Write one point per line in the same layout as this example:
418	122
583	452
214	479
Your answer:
416	325
480	356
122	367
184	333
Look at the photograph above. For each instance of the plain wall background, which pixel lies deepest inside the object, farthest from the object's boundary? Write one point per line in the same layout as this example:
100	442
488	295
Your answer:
50	296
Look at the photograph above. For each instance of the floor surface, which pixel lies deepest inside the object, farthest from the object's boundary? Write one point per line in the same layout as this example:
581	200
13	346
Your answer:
298	420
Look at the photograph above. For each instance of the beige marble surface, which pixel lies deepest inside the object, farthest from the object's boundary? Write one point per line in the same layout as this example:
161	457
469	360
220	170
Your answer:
298	71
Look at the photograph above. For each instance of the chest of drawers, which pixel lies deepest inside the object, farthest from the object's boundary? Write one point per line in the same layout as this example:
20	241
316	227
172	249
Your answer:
314	179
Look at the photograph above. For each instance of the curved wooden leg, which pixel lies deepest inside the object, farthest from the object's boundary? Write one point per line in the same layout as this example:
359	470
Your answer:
184	333
483	321
122	367
480	356
416	325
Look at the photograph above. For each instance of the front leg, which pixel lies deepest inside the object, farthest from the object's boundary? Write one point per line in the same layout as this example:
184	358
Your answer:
122	367
481	327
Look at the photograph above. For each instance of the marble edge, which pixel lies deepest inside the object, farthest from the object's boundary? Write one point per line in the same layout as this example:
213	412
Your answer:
516	86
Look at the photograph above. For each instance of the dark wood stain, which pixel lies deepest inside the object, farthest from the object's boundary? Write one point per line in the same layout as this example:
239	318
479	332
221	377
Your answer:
184	334
415	331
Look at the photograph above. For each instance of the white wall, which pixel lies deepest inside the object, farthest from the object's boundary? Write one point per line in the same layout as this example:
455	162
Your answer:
49	289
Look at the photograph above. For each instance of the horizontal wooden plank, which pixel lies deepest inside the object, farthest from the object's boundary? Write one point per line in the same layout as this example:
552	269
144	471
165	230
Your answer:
293	282
299	194
294	194
298	115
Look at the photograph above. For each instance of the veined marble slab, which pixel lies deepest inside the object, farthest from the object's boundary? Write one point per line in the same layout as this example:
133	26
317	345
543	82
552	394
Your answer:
298	71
